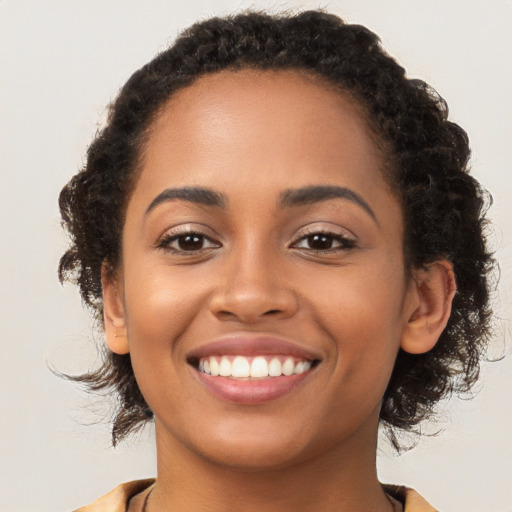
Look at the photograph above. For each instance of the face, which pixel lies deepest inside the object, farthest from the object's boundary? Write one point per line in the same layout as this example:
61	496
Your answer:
261	237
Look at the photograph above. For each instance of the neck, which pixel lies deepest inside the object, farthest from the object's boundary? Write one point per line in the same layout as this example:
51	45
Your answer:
342	479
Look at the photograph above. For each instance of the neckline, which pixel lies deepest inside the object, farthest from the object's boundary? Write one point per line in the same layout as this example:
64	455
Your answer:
138	502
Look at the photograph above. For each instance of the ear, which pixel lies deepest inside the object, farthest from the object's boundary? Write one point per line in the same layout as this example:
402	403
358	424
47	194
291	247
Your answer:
431	296
113	312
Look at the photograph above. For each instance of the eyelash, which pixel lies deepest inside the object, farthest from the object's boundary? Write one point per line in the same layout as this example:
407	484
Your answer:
346	243
168	239
166	242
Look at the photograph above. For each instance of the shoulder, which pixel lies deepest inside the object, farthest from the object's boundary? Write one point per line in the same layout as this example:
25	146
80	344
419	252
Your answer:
412	501
117	500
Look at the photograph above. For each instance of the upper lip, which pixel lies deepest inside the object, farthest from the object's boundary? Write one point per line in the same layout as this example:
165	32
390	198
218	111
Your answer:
251	345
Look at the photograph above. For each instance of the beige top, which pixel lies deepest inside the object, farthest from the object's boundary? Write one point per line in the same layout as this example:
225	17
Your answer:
138	490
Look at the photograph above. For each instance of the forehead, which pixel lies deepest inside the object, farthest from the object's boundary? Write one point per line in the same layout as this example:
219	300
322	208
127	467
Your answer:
283	128
286	103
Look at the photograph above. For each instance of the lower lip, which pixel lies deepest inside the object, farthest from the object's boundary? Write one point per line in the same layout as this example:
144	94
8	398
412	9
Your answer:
251	392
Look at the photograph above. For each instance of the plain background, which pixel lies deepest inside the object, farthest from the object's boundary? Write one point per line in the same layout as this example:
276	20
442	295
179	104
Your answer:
61	63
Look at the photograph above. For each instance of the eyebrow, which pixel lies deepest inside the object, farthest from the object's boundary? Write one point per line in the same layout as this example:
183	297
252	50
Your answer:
289	198
318	193
198	195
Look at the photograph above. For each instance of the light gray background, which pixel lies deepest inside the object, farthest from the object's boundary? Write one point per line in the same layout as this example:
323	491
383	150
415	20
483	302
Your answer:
61	62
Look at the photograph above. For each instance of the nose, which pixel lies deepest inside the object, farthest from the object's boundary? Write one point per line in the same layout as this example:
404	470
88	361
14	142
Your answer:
253	287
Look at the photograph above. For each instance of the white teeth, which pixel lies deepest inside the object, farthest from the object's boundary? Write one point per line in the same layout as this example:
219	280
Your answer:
299	368
274	367
288	367
257	367
225	367
240	367
214	366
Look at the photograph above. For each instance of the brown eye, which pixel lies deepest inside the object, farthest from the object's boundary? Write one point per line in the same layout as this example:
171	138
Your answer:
187	243
320	242
331	242
190	242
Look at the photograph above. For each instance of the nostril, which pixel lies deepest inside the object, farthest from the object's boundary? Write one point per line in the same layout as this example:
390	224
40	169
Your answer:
249	306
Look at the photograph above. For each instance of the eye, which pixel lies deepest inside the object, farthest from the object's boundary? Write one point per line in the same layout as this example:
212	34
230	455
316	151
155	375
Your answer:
324	242
188	242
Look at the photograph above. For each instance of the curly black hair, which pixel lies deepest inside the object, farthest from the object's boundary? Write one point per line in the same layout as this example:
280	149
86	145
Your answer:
427	162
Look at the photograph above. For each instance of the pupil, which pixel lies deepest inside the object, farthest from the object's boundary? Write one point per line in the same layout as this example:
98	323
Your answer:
320	241
190	242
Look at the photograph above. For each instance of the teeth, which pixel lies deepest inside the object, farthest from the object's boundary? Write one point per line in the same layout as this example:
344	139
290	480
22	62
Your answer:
225	367
214	367
288	367
240	367
275	367
299	368
257	367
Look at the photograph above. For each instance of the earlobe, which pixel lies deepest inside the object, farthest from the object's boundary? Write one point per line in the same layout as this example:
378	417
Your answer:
433	290
113	312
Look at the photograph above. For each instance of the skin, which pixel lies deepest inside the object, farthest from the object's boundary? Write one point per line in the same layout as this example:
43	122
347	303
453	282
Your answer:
251	136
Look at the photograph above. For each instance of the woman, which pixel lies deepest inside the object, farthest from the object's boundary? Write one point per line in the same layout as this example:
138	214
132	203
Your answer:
279	233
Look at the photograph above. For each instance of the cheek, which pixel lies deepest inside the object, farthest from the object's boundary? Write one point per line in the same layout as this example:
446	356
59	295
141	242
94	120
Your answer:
361	310
159	308
356	296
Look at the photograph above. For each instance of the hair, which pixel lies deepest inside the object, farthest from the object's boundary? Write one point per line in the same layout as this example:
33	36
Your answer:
444	207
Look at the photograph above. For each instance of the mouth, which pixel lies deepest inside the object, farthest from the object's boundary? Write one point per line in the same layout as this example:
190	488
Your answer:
252	370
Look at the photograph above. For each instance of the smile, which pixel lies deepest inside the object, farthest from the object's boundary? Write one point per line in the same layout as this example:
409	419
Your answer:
259	367
252	369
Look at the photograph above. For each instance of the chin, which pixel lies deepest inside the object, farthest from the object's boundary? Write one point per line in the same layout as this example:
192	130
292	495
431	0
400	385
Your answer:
255	457
260	445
